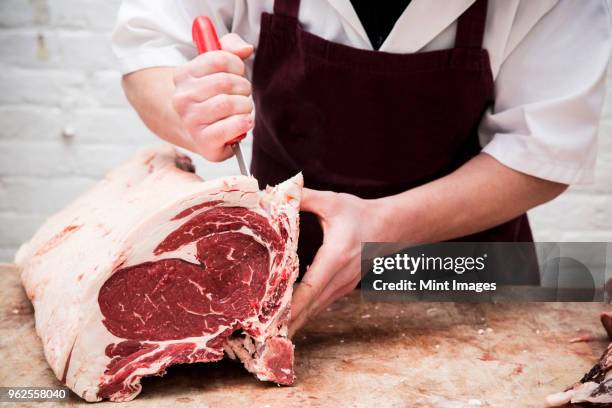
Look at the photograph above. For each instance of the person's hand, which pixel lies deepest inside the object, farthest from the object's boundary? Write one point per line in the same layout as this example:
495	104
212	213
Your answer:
212	98
347	221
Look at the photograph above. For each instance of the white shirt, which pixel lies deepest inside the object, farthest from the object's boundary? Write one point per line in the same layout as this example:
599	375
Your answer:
548	57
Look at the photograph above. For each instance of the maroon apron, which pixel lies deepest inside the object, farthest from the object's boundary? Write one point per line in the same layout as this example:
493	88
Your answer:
368	123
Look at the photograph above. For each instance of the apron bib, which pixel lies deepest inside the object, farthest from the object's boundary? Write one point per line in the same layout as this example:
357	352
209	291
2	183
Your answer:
368	123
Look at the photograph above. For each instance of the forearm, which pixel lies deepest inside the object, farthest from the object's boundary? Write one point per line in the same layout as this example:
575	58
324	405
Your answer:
150	93
479	195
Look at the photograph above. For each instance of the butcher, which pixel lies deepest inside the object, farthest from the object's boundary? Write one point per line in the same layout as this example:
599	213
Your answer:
412	121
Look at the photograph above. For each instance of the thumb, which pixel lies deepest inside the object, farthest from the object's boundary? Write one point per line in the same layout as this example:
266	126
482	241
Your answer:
236	45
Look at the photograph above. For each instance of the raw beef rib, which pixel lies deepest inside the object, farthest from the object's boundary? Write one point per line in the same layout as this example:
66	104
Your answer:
154	267
595	387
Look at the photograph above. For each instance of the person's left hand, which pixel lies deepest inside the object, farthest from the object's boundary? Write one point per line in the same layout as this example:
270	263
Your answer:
347	221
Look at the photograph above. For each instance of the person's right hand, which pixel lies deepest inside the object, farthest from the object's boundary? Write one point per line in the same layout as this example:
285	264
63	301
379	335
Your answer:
213	98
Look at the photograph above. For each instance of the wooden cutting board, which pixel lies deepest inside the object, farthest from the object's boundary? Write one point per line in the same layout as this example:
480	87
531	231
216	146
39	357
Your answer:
365	354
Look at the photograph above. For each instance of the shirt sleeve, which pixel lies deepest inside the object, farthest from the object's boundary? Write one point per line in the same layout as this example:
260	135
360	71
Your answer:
549	95
151	33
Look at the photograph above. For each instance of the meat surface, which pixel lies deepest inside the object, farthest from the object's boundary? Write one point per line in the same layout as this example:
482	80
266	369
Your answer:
154	266
606	320
595	387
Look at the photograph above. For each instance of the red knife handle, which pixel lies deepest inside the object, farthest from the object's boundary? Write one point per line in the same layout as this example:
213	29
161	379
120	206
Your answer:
204	35
205	39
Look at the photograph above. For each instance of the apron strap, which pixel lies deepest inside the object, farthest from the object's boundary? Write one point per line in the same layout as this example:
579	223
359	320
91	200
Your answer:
470	25
287	8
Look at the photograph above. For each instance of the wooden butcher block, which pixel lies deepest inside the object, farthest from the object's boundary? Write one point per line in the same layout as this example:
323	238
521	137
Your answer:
363	354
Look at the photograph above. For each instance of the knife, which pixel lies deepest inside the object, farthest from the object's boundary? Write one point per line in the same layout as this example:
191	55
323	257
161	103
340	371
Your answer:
205	39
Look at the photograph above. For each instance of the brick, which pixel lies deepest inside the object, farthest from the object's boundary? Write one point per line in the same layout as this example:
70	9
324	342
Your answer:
22	194
85	50
65	50
110	126
30	48
84	14
104	89
18	228
30	123
40	87
19	13
7	254
60	159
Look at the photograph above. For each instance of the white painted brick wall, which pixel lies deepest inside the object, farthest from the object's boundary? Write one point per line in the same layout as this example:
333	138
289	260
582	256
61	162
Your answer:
57	73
